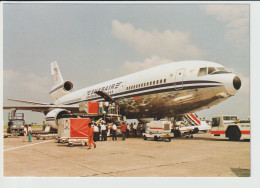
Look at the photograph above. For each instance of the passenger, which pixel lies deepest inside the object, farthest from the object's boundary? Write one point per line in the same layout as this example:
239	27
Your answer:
29	133
123	127
135	130
127	130
96	133
103	131
114	128
90	136
25	133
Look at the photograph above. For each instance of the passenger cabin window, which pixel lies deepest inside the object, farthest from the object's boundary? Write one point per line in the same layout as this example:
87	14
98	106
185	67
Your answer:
202	71
164	80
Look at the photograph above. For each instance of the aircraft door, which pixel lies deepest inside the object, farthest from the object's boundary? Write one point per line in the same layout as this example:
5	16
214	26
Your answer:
179	79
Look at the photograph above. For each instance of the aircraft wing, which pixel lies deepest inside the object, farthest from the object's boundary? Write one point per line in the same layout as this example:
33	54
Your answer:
28	102
43	108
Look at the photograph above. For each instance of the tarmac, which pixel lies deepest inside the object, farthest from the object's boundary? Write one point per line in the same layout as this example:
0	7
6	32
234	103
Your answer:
201	156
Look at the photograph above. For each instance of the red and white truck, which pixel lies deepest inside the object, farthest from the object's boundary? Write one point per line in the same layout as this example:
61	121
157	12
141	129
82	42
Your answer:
158	130
228	126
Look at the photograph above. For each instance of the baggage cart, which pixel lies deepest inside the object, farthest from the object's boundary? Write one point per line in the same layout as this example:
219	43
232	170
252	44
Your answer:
73	130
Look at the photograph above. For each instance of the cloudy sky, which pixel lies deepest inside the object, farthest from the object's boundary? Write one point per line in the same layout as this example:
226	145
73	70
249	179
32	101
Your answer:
97	42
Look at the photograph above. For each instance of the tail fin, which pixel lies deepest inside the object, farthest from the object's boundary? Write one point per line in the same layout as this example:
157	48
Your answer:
55	71
60	87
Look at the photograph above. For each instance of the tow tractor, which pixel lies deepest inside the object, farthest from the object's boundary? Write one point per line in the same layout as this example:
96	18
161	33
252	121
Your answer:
226	126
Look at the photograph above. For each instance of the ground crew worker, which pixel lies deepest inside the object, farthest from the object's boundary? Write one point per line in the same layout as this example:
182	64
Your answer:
25	133
29	133
134	130
90	136
100	110
103	132
96	133
127	130
106	107
114	128
123	127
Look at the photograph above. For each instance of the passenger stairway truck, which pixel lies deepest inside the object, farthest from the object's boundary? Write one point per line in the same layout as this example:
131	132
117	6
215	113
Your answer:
226	126
158	130
73	130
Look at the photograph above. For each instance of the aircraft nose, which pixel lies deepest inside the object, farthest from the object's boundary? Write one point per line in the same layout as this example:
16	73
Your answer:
236	83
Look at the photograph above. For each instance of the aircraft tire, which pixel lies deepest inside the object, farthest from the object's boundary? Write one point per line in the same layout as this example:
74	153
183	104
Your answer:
177	133
144	137
155	138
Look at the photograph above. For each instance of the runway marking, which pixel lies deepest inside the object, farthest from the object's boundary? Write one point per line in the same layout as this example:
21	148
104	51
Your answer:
27	145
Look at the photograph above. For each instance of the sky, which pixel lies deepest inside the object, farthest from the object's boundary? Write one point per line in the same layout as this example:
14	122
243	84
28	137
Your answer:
97	42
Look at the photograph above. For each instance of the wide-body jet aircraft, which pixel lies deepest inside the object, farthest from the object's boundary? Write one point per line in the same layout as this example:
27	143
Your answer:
167	90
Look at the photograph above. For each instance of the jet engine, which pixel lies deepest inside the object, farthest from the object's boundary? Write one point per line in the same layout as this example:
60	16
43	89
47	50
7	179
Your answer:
53	116
61	90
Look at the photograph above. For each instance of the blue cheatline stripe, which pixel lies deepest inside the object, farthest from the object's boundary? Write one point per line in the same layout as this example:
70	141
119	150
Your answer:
115	96
145	92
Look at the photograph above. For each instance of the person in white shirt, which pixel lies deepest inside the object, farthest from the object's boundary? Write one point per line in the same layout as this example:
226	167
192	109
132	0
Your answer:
128	130
103	131
106	107
25	133
114	128
96	133
135	130
100	110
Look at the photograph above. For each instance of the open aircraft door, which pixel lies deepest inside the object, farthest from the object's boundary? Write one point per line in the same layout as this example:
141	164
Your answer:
179	79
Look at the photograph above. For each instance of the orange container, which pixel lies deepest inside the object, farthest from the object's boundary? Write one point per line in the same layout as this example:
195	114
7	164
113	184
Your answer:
93	107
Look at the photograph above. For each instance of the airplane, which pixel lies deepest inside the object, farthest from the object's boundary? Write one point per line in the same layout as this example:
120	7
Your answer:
167	90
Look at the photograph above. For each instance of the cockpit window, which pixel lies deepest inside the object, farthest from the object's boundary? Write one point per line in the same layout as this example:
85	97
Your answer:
211	70
220	70
202	71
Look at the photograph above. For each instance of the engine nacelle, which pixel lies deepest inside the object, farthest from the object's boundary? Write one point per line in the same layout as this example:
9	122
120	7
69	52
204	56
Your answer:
61	90
53	116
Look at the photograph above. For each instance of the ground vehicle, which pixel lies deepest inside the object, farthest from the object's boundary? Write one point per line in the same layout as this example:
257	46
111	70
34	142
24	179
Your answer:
158	130
226	126
16	123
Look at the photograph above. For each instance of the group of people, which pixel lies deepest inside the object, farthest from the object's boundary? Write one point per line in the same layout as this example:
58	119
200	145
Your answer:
135	130
27	132
95	130
100	131
107	108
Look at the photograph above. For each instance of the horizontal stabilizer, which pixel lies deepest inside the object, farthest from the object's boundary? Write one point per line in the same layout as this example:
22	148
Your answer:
29	102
